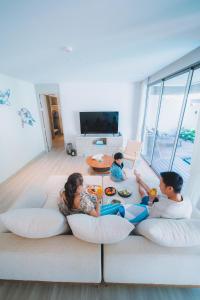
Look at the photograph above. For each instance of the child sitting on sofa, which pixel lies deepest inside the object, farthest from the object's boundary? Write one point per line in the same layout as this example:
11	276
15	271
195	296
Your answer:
170	203
117	172
73	199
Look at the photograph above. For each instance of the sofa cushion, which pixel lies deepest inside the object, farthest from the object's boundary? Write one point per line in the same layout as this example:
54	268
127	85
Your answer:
101	230
171	233
129	184
32	197
58	259
55	183
35	222
137	260
3	228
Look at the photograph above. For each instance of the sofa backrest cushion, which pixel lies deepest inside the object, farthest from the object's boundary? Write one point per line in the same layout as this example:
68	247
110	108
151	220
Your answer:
56	183
32	197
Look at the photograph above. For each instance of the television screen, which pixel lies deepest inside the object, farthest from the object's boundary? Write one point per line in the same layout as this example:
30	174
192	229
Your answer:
99	122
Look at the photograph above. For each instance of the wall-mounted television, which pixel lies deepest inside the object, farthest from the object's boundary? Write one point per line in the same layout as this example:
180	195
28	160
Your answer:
99	122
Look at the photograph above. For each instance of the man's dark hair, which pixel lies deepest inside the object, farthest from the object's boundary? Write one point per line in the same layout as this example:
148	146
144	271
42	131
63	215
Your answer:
118	155
172	179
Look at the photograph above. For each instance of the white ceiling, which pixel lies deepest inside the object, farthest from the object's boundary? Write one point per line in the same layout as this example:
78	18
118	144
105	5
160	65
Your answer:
112	40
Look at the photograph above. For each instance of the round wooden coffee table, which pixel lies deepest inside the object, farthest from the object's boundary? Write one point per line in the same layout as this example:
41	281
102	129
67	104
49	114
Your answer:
100	166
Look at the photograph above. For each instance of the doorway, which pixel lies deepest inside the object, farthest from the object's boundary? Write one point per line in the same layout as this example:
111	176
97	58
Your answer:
52	121
55	121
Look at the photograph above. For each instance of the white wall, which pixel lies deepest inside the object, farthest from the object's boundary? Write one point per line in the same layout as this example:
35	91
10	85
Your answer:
18	145
84	96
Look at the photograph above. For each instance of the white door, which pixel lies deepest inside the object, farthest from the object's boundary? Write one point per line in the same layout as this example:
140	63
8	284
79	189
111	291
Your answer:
45	122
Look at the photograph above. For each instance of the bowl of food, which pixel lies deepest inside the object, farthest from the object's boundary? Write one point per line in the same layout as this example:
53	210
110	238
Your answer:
124	193
110	191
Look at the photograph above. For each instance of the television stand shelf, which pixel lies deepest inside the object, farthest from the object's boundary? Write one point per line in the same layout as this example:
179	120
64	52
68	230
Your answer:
93	144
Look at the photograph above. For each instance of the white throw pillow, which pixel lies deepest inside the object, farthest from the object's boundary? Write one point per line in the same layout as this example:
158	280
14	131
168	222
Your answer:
35	222
101	230
171	233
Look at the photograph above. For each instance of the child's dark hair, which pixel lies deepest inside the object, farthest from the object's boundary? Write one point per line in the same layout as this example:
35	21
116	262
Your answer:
172	179
73	182
118	155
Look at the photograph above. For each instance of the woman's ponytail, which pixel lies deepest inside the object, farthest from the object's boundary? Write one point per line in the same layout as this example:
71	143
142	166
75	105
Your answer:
73	182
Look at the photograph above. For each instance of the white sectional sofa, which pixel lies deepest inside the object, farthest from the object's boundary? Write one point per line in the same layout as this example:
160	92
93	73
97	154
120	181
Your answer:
138	260
63	258
60	258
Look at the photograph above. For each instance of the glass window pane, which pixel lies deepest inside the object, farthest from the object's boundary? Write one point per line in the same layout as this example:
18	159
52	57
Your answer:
183	156
171	105
150	120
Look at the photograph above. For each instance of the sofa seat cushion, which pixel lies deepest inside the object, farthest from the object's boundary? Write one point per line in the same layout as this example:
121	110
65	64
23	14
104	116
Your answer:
32	197
56	183
129	184
60	259
140	261
171	233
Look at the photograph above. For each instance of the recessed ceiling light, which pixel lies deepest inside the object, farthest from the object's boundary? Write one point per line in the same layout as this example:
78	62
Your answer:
67	49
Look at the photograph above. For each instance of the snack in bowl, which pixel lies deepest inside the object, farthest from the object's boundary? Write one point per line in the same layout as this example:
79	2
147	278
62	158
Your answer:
124	193
110	191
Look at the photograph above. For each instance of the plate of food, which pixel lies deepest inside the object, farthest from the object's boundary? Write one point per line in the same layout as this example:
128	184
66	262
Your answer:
110	191
114	201
124	193
94	190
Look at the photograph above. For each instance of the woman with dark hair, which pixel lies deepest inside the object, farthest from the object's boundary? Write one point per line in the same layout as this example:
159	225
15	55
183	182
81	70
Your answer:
73	199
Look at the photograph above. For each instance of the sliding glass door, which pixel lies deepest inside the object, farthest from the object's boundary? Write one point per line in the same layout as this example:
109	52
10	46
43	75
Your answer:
183	155
151	121
170	111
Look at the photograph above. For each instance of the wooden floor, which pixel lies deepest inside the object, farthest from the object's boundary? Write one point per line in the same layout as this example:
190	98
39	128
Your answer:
60	291
57	162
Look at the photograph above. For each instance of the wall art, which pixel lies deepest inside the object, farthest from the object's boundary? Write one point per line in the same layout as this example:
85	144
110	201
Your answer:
4	97
26	117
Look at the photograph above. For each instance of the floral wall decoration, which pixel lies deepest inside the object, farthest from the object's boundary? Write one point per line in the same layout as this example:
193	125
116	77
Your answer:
4	97
26	117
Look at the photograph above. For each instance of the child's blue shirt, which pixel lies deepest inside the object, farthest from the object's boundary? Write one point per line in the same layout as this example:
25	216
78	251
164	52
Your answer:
117	172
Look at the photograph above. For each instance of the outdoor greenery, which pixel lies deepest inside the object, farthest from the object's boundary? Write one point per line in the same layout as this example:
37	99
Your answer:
187	135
